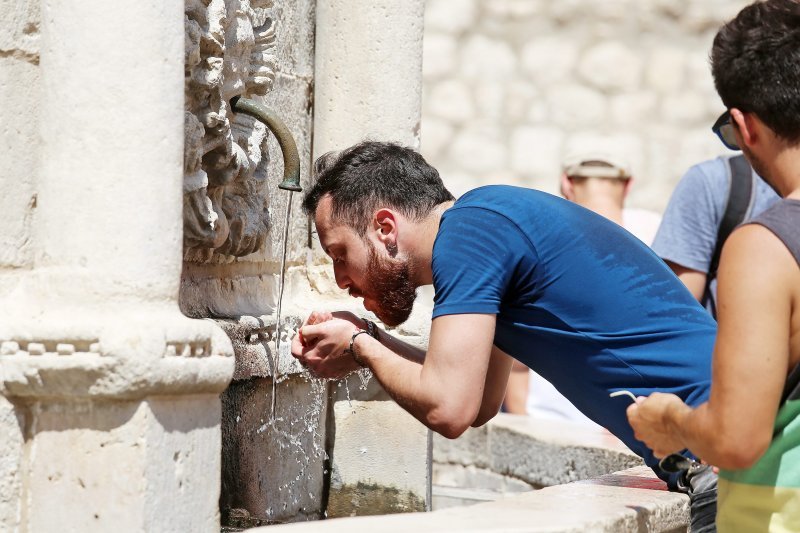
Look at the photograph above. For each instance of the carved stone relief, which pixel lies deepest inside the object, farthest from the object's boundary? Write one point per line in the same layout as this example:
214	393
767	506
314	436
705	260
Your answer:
230	51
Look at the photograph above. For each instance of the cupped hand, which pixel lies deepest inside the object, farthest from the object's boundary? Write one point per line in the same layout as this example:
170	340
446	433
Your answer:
648	418
322	341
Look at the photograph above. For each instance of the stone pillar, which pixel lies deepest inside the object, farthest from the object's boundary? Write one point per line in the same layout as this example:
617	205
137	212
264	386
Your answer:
111	411
368	73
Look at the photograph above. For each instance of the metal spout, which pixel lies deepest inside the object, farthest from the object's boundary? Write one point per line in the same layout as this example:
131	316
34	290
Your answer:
291	158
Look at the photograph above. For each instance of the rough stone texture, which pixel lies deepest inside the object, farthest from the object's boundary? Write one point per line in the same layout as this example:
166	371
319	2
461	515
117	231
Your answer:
12	426
378	447
122	466
574	67
632	500
378	44
467	485
19	91
274	468
538	452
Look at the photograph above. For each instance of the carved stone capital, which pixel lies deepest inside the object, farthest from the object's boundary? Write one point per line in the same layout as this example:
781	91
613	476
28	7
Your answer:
127	356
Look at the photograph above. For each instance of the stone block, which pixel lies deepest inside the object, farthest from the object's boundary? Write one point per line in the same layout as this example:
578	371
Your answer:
698	71
436	135
380	460
439	55
665	71
19	89
451	16
685	109
123	466
479	148
273	469
490	98
512	9
611	66
634	109
547	454
536	452
485	57
471	448
379	45
629	501
576	106
451	100
537	151
548	59
470	476
522	101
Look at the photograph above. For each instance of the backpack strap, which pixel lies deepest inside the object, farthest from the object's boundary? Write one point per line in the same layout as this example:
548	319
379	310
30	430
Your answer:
736	208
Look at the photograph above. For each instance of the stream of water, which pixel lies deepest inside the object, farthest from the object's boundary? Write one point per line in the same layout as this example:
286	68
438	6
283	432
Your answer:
278	327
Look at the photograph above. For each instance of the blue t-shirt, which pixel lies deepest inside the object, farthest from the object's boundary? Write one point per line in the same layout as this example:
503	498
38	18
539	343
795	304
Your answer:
578	299
687	235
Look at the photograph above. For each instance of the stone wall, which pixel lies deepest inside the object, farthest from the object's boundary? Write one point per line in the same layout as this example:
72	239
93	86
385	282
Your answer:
512	86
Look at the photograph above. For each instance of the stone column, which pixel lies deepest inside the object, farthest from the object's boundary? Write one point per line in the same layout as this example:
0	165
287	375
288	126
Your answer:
111	406
368	73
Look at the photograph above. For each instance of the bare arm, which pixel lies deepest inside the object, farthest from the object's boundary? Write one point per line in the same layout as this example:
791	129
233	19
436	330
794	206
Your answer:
751	360
516	397
446	389
694	280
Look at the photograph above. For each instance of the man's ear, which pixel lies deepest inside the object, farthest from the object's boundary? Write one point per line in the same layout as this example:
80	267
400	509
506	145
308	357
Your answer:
627	188
747	127
567	187
384	224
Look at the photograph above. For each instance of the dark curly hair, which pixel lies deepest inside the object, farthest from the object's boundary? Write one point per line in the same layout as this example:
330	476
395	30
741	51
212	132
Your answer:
755	61
371	174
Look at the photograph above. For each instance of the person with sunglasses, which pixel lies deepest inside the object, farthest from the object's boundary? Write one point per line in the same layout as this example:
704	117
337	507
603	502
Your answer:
711	199
750	426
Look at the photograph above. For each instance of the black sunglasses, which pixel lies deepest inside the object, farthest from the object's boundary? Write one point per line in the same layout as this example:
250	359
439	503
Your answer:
723	127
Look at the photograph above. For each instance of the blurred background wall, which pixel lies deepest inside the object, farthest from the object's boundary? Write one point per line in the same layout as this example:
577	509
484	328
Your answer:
513	86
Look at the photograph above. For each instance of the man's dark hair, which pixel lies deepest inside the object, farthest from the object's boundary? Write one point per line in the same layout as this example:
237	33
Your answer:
372	174
755	61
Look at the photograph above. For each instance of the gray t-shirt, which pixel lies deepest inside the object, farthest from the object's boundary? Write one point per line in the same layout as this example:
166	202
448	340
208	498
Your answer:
688	231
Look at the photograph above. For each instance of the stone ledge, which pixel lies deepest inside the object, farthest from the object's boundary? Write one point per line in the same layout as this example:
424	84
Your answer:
630	500
538	452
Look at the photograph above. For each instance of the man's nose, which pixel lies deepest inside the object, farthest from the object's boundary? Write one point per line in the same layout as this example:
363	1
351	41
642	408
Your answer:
342	280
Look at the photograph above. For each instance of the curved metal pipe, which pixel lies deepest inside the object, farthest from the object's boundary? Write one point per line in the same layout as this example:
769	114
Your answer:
291	158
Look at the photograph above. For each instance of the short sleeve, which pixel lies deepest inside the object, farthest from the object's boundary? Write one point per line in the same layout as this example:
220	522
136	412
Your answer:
477	258
688	231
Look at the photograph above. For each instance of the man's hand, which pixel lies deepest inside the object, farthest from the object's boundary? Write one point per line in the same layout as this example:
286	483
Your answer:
321	343
651	422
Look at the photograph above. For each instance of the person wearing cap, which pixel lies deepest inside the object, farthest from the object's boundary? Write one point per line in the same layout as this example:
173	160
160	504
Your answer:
599	182
517	274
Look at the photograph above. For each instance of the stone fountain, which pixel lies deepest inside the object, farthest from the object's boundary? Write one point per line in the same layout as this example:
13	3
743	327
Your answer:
138	340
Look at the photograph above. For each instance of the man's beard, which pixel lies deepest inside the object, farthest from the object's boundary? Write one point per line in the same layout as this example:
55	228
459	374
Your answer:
389	283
